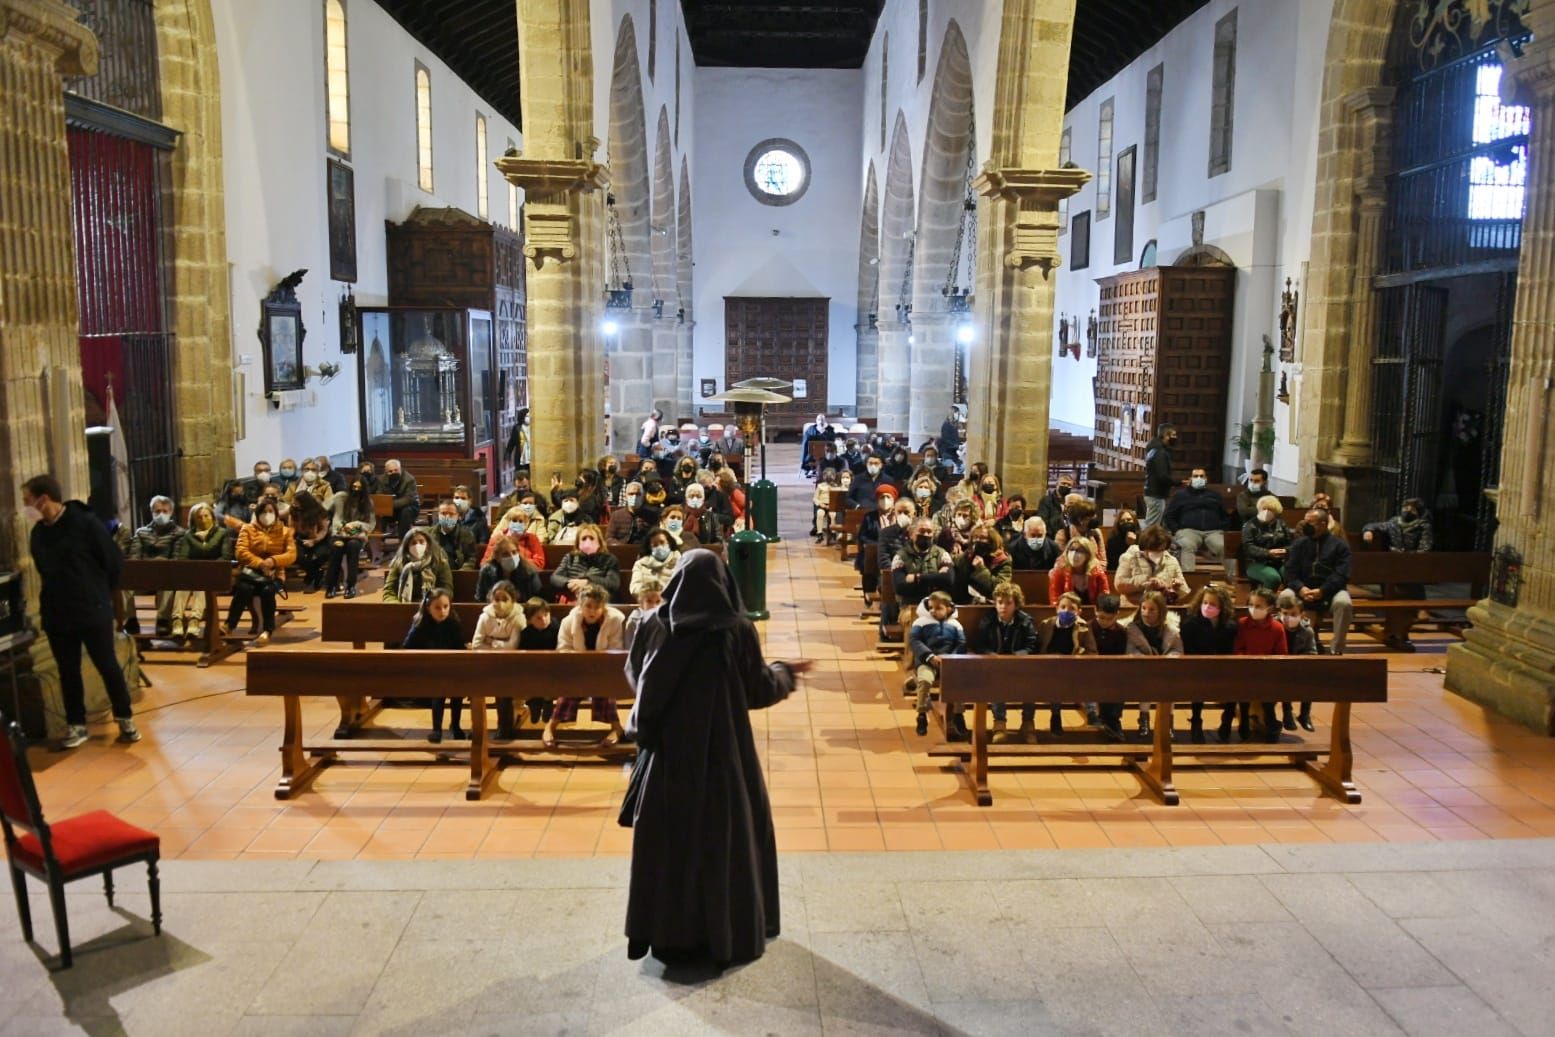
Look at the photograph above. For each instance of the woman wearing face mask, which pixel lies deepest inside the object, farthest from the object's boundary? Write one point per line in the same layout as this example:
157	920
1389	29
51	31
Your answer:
287	475
1209	628
566	521
1154	632
349	526
611	485
685	476
311	484
507	564
987	498
590	564
1065	633
1150	566
1125	534
681	538
1260	632
1078	572
233	509
702	521
265	548
418	567
311	526
1265	543
982	566
206	540
657	562
1079	517
1300	639
1012	517
897	469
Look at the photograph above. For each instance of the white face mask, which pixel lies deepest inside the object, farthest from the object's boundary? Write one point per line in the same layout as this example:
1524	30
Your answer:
418	550
1291	622
1266	515
694	501
569	506
32	513
1198	482
1076	558
263	477
310	477
527	509
1258	612
903	521
267	520
963	523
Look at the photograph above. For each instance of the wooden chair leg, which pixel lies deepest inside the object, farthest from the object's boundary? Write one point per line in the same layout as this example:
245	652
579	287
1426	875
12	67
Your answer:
23	908
980	787
154	884
61	922
1336	775
108	885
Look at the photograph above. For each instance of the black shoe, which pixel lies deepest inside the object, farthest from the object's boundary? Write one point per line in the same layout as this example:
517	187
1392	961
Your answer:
350	592
506	734
1111	730
1289	722
330	592
435	737
343	731
1225	732
1244	731
1055	726
636	950
958	731
1305	720
1271	734
457	734
1144	729
923	723
1196	732
1093	718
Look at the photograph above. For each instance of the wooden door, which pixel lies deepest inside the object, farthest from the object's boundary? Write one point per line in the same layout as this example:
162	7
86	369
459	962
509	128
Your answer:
779	338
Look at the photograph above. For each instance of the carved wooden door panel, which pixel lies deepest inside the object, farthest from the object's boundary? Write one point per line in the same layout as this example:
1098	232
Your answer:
779	338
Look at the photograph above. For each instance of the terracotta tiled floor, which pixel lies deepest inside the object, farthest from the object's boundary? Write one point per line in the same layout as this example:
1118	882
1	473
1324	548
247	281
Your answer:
844	768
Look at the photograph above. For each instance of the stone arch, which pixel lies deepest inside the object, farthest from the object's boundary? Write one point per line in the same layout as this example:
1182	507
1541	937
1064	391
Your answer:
947	147
896	263
1357	50
628	146
198	282
662	236
868	377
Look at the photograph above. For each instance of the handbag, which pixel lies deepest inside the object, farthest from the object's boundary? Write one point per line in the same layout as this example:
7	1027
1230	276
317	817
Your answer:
632	803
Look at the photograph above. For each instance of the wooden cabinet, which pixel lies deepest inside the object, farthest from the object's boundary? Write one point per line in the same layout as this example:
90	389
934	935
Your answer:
1164	355
446	258
779	338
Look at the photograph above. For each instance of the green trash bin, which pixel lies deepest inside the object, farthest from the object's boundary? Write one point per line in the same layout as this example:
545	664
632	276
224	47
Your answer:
748	562
761	505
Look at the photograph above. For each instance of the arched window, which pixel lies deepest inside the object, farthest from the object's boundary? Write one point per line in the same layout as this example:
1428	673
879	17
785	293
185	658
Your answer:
923	38
1104	161
1065	146
653	39
885	67
482	163
423	127
337	81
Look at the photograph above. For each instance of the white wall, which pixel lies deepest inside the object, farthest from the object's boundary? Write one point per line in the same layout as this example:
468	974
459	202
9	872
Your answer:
810	248
271	58
1260	212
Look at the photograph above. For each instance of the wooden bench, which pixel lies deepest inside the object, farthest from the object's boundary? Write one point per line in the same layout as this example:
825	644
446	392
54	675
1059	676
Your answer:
982	680
291	676
1396	573
852	521
152	576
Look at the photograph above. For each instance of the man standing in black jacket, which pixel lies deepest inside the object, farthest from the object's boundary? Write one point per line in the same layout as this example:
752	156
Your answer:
1158	473
78	565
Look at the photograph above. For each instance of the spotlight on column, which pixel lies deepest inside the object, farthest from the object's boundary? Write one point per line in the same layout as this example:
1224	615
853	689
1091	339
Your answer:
966	334
609	327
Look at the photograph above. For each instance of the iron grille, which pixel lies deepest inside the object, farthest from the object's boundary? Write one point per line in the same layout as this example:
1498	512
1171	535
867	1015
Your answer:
1406	391
127	75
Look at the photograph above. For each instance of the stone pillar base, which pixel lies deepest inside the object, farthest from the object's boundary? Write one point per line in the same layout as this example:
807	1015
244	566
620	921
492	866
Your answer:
1507	663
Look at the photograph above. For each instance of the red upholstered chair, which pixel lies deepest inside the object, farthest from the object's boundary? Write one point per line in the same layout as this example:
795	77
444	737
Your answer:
91	844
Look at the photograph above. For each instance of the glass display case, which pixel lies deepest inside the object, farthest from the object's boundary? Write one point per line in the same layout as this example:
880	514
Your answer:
426	380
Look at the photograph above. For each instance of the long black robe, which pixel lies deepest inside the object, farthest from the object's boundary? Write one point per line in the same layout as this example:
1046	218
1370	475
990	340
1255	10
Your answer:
704	855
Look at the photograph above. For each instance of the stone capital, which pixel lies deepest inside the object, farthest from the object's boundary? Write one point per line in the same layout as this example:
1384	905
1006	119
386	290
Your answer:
549	185
1035	194
1370	102
53	27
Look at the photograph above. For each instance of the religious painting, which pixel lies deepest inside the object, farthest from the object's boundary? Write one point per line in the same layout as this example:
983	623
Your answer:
342	221
1080	241
281	334
1123	228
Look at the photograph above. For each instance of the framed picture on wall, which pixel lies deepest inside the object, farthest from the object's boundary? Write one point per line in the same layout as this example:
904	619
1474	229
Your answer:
1080	241
342	221
281	334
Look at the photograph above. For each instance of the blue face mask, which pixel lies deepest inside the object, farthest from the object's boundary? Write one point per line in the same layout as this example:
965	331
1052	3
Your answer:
1066	618
1198	483
509	564
161	520
661	553
446	522
673	525
1035	543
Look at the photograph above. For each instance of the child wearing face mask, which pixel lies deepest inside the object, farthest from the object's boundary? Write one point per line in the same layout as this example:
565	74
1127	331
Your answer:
656	564
418	567
1066	633
498	629
1260	632
158	539
937	634
590	565
592	626
821	515
206	540
437	626
1300	639
539	635
265	548
1209	628
650	595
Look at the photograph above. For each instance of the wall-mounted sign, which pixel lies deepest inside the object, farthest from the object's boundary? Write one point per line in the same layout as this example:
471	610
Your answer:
800	389
709	387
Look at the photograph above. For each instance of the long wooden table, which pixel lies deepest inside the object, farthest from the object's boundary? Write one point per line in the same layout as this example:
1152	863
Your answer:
982	680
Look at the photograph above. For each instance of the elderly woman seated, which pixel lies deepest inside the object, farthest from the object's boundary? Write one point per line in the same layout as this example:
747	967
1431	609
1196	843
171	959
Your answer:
1265	543
590	564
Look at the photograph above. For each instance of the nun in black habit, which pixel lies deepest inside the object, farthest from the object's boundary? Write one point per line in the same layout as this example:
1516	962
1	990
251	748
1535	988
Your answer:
704	856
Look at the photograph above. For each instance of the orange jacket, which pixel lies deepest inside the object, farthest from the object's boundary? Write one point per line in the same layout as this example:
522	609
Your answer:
255	544
1062	580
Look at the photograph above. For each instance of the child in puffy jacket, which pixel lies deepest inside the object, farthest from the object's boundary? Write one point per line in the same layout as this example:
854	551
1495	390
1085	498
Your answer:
932	636
437	626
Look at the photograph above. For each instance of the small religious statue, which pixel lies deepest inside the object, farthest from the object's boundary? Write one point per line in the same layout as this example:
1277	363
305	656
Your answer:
1289	300
458	419
1284	394
399	417
1063	334
1091	330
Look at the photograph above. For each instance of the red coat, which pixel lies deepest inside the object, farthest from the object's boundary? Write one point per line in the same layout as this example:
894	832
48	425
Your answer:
1255	638
1062	580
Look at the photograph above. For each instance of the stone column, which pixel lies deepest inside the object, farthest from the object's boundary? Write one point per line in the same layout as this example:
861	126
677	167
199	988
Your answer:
666	365
1371	113
932	361
1508	659
893	407
40	355
1011	363
563	224
685	384
868	378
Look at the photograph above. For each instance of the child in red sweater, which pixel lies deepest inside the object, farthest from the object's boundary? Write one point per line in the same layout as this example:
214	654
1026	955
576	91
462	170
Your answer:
1260	632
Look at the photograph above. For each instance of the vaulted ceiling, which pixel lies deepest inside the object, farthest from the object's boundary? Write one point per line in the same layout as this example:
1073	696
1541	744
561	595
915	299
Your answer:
478	39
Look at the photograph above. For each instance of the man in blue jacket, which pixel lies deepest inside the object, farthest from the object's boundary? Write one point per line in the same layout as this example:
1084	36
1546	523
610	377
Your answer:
1318	570
78	566
1196	518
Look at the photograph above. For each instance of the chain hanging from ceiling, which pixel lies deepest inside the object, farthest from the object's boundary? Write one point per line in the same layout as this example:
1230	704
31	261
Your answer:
958	298
904	297
618	291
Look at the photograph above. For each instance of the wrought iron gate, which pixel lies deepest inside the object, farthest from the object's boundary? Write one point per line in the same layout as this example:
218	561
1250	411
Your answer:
1406	390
